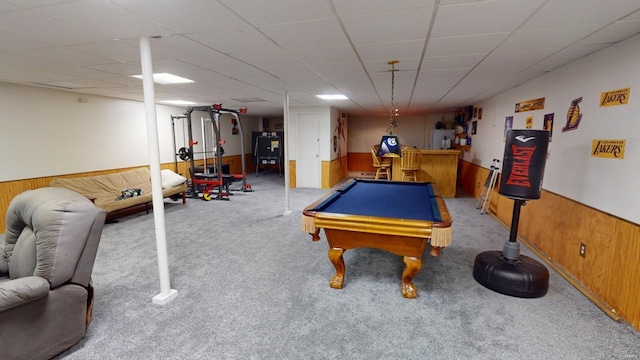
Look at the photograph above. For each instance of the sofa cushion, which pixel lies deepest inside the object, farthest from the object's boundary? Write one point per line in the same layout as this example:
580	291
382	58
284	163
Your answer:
171	179
104	189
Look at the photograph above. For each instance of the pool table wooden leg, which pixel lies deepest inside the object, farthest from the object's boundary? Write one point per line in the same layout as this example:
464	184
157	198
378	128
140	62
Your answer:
413	265
335	255
435	251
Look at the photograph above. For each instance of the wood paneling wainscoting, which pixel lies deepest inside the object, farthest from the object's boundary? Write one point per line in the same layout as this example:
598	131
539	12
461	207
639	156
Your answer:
9	189
333	172
555	226
360	162
292	173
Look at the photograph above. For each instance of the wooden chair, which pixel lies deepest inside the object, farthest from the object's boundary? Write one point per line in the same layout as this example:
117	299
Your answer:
383	167
410	164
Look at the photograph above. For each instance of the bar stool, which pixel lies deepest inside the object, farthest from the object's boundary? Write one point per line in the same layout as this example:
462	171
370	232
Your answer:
383	167
410	164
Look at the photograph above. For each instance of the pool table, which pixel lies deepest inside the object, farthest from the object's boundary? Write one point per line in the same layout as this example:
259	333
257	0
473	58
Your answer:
396	216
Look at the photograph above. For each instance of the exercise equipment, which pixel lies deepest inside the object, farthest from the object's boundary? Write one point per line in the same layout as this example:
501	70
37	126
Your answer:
489	185
213	182
507	271
183	154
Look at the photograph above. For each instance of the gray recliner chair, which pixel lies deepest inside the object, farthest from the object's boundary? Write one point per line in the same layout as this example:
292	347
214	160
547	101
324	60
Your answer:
46	259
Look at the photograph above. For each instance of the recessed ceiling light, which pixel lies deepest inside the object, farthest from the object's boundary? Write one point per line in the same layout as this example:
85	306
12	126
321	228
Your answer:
177	102
333	97
166	78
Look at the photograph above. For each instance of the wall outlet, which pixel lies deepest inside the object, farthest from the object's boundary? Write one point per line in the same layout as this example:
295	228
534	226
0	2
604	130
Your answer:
583	249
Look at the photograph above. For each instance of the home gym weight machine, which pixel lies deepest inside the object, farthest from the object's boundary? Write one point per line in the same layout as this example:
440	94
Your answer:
217	181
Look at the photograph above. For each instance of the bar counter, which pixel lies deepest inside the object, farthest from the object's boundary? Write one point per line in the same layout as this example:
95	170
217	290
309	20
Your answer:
436	166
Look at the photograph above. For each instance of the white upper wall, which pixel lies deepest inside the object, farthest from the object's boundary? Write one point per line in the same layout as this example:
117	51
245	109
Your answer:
49	132
609	185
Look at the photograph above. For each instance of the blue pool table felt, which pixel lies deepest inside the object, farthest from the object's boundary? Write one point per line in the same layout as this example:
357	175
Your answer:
391	199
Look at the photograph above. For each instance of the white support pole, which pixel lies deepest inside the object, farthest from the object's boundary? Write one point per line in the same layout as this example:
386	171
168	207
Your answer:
287	205
166	293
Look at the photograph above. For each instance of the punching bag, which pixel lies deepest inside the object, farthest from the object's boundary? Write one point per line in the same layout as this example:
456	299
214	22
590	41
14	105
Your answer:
525	155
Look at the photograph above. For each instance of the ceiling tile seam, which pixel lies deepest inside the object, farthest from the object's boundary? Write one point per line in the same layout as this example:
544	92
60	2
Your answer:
565	47
236	59
582	38
280	47
355	51
434	14
492	51
171	31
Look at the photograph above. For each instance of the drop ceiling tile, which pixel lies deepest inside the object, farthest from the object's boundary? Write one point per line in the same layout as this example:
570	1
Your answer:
42	28
34	3
513	61
82	72
561	13
272	60
314	33
399	25
375	67
213	63
428	75
83	83
435	87
118	69
210	15
314	55
234	41
612	33
6	7
464	45
482	17
67	56
241	70
102	17
13	42
633	16
177	46
261	13
547	38
34	76
566	56
445	62
350	7
12	68
124	80
114	50
19	59
411	49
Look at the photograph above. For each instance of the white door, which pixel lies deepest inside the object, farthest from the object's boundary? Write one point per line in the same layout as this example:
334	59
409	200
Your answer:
308	150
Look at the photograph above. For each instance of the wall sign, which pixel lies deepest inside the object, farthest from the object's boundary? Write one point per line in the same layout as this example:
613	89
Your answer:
573	115
548	124
529	105
615	97
508	124
611	149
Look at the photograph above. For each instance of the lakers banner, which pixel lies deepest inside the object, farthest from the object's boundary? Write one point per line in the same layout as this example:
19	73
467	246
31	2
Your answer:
529	105
613	149
615	97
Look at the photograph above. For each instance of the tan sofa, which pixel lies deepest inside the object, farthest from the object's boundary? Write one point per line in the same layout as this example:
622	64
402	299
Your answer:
103	190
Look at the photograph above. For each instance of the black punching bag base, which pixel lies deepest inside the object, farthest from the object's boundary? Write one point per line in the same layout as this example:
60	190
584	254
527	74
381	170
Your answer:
523	277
